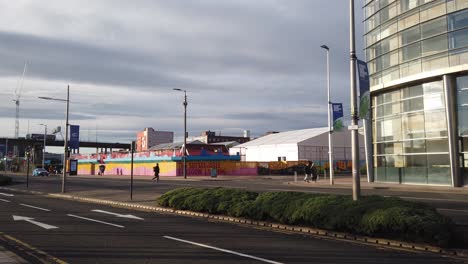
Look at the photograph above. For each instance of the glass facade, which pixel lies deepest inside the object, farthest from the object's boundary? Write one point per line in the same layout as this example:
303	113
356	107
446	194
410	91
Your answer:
407	37
462	96
410	135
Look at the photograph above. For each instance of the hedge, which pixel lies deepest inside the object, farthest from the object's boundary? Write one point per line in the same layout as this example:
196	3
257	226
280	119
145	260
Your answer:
4	180
376	216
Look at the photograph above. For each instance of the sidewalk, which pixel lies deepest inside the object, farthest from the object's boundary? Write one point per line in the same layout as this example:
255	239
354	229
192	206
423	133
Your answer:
347	182
9	257
340	181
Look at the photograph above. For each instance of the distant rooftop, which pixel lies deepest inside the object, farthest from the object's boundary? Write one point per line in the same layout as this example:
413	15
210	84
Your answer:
287	137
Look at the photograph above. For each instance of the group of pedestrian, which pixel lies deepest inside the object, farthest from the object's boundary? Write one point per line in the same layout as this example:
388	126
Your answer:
310	172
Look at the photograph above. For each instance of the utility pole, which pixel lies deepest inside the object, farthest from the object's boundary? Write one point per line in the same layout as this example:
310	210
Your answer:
184	148
354	113
28	154
330	130
65	145
185	135
131	170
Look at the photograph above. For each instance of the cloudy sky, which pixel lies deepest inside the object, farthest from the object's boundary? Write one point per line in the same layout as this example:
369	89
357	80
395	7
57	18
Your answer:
245	64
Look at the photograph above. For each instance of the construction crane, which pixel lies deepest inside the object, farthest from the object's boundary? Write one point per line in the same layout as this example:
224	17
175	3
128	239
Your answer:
18	90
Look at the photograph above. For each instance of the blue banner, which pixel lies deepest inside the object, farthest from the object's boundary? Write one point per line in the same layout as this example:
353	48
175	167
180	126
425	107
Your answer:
74	137
364	90
337	116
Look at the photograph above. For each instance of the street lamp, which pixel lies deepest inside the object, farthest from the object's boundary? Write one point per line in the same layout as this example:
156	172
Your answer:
43	150
185	131
65	145
330	140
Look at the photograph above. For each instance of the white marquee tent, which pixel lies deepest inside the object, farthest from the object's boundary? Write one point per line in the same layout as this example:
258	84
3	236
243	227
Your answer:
305	144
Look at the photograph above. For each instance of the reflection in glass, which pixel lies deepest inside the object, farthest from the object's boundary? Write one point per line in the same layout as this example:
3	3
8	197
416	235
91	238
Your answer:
436	124
458	20
414	146
438	169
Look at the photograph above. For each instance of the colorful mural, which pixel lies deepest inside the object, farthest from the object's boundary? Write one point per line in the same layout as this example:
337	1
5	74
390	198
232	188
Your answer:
120	164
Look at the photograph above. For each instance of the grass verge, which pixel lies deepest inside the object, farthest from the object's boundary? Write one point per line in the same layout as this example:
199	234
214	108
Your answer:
375	216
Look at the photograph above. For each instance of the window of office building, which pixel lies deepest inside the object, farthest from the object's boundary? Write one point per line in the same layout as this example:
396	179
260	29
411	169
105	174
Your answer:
408	20
454	5
458	39
434	27
458	20
410	135
462	87
435	9
406	5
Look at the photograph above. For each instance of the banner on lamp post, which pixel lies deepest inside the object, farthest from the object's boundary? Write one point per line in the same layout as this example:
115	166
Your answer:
337	116
74	137
364	90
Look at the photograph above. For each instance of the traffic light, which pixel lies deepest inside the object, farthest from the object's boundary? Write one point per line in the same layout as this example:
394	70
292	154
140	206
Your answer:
27	153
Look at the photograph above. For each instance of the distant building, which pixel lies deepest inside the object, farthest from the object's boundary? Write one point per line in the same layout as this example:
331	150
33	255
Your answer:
194	148
149	138
210	137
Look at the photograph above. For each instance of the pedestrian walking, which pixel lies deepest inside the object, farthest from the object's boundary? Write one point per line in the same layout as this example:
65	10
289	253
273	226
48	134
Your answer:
313	171
156	172
307	171
102	168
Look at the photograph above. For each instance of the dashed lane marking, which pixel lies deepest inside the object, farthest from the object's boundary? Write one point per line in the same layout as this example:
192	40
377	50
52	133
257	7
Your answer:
35	207
94	220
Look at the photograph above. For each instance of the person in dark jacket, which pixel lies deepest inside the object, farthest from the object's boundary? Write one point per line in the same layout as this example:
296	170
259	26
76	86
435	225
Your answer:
156	172
307	171
313	171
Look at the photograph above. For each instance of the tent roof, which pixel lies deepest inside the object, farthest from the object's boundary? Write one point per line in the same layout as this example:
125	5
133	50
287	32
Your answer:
287	137
228	143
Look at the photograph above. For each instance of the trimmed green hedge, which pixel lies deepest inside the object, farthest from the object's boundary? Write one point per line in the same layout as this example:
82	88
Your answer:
4	180
372	215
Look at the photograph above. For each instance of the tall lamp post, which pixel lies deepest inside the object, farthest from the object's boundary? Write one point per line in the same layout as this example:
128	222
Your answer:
330	131
65	145
43	150
185	131
354	114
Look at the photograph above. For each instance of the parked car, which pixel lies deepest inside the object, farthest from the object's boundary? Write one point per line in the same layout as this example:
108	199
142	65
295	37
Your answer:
40	172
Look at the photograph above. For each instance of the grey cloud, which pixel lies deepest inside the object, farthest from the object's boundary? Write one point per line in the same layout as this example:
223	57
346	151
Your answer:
244	59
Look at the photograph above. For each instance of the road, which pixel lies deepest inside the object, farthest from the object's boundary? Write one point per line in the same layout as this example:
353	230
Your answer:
87	233
452	204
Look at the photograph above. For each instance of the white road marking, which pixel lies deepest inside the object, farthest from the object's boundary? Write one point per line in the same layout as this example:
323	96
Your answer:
118	215
7	194
3	200
453	210
32	221
222	250
94	220
35	207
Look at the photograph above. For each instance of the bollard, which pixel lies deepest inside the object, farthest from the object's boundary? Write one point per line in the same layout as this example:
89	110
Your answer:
295	176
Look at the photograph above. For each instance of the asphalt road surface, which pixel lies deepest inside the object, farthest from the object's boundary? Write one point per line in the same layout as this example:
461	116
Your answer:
452	204
87	233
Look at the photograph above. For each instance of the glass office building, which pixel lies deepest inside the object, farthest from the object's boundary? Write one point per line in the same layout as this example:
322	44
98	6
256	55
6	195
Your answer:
417	54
